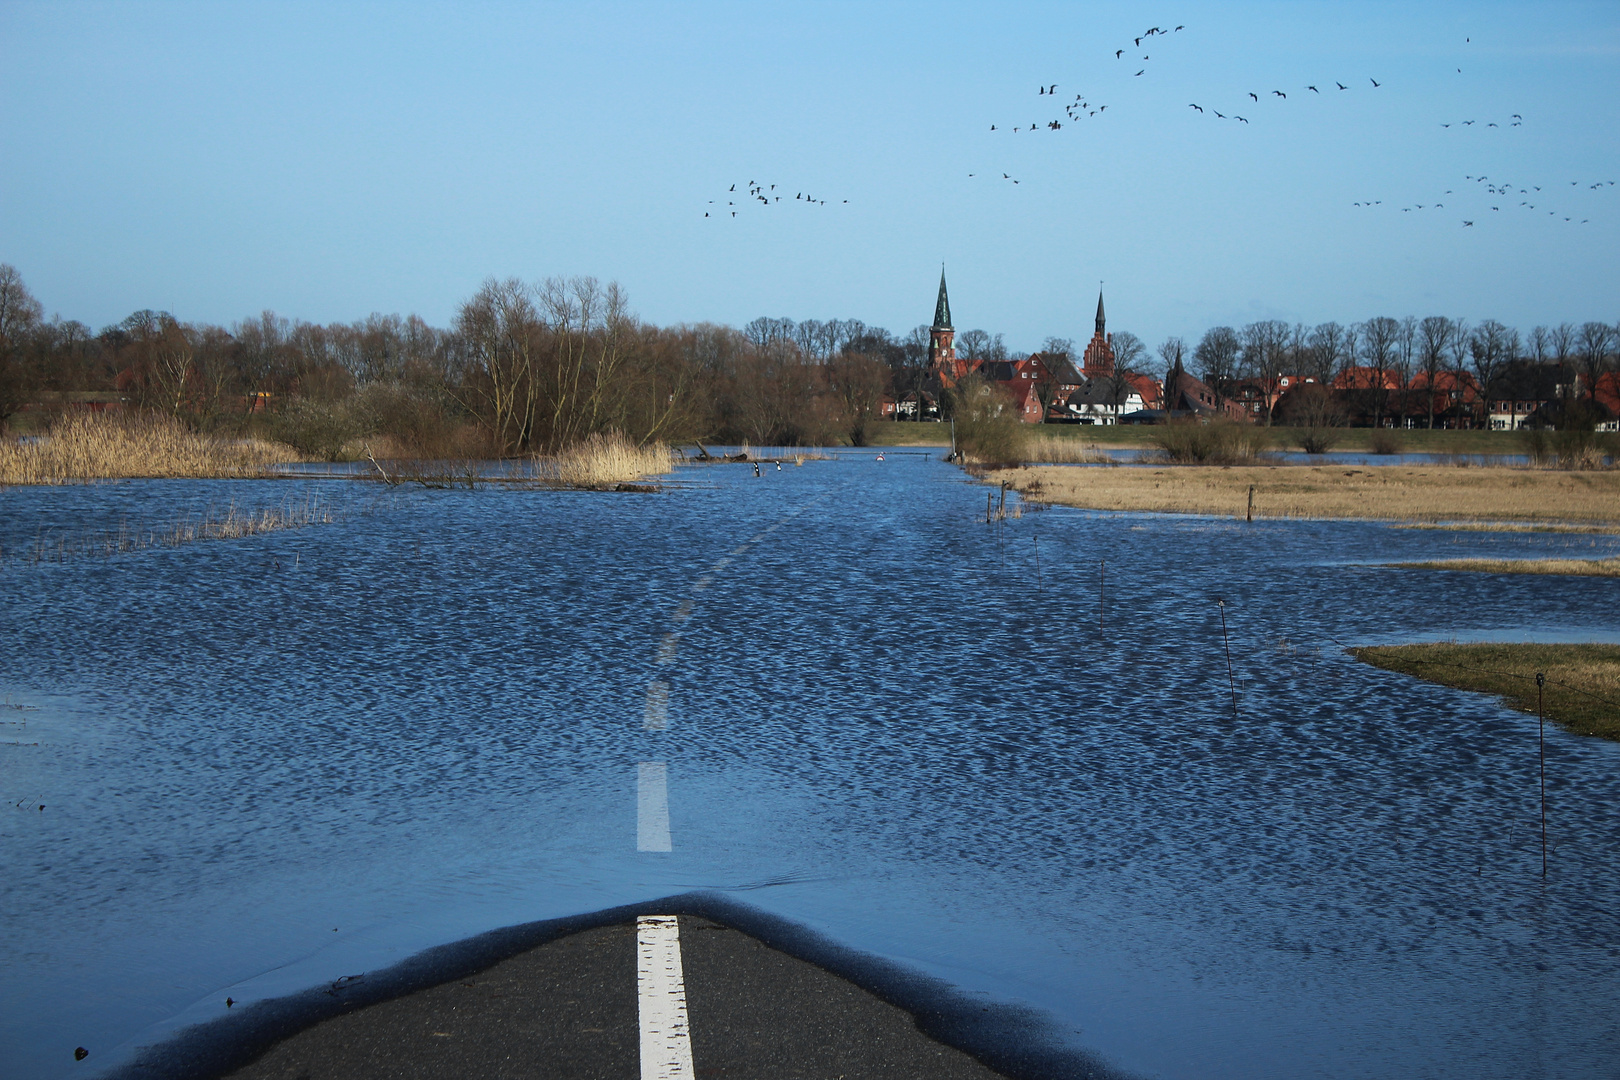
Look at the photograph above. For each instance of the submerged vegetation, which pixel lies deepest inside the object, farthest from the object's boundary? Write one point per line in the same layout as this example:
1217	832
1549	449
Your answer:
1582	690
232	523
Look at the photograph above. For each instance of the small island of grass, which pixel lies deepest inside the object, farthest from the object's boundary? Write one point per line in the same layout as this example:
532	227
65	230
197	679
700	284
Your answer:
1583	681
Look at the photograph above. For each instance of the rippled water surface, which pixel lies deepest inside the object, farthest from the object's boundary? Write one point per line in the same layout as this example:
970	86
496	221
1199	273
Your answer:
266	763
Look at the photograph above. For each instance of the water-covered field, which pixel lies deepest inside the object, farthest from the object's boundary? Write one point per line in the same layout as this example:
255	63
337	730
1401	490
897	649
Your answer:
271	762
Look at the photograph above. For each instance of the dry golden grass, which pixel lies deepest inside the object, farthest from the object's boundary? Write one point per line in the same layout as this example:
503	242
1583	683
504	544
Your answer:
1565	567
1062	450
1583	681
108	447
1384	492
606	459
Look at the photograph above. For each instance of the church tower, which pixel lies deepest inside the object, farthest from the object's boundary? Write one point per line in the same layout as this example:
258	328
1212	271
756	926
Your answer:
942	361
1099	356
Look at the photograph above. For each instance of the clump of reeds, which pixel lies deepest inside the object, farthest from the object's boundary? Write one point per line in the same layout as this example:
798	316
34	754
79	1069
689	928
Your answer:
1219	442
1058	450
1569	449
102	446
606	459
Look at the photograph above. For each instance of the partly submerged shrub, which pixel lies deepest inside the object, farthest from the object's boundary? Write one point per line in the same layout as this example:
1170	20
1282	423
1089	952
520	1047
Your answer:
1219	442
1385	441
1569	449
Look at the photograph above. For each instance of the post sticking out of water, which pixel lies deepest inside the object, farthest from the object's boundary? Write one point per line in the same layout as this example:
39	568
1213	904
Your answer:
1001	507
1102	576
989	507
1541	721
1251	503
1231	682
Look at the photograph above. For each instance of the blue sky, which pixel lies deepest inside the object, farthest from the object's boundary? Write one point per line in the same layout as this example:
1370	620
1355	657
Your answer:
330	160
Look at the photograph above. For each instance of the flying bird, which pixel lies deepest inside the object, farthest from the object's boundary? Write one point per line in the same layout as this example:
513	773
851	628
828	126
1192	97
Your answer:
1237	117
1254	95
1374	81
1219	114
1191	106
1340	85
1280	94
1142	72
1313	89
1118	53
1466	224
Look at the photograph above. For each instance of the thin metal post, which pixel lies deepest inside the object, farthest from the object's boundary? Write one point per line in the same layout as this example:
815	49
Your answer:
1231	682
1541	720
1037	539
1102	577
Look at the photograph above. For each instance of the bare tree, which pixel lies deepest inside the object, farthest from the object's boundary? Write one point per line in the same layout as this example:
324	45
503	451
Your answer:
500	326
1264	355
1458	352
20	314
1130	352
1380	338
1434	334
1217	355
973	345
1594	343
1539	343
1325	346
1492	347
858	383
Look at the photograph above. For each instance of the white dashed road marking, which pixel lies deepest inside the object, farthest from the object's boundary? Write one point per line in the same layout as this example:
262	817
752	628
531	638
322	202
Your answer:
652	807
666	1043
666	648
656	718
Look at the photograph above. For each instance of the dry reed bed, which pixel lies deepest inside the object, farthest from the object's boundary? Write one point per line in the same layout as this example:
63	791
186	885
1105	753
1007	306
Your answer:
1383	492
103	447
606	459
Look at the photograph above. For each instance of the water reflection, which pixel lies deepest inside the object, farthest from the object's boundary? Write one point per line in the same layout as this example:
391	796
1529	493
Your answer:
275	761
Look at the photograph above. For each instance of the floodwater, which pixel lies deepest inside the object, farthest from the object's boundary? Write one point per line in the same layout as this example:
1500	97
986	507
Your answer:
268	763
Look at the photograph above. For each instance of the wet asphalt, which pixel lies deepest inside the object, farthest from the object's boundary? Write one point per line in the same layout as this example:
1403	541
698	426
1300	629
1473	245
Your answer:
568	1009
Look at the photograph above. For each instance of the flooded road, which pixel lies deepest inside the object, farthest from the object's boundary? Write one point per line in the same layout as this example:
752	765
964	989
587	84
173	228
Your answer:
272	762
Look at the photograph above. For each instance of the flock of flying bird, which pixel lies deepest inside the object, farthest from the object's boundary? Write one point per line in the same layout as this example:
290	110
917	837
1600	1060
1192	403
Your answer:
1080	107
1500	192
755	193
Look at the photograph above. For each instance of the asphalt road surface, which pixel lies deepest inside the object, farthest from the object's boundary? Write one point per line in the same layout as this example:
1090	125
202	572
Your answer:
581	1006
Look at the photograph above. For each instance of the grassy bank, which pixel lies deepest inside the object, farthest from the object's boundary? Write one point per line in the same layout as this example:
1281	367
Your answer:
1141	437
1399	493
1565	567
1583	681
110	447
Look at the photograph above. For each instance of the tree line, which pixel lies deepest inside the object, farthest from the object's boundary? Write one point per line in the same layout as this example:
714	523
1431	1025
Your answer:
1387	366
531	367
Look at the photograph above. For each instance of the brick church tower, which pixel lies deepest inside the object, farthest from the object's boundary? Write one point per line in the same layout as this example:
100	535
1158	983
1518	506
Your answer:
1099	356
942	361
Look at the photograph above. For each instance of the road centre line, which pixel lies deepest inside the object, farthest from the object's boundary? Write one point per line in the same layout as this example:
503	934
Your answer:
656	716
666	1040
652	807
666	647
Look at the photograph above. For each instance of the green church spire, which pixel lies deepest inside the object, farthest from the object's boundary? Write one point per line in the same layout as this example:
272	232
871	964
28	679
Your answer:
942	307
